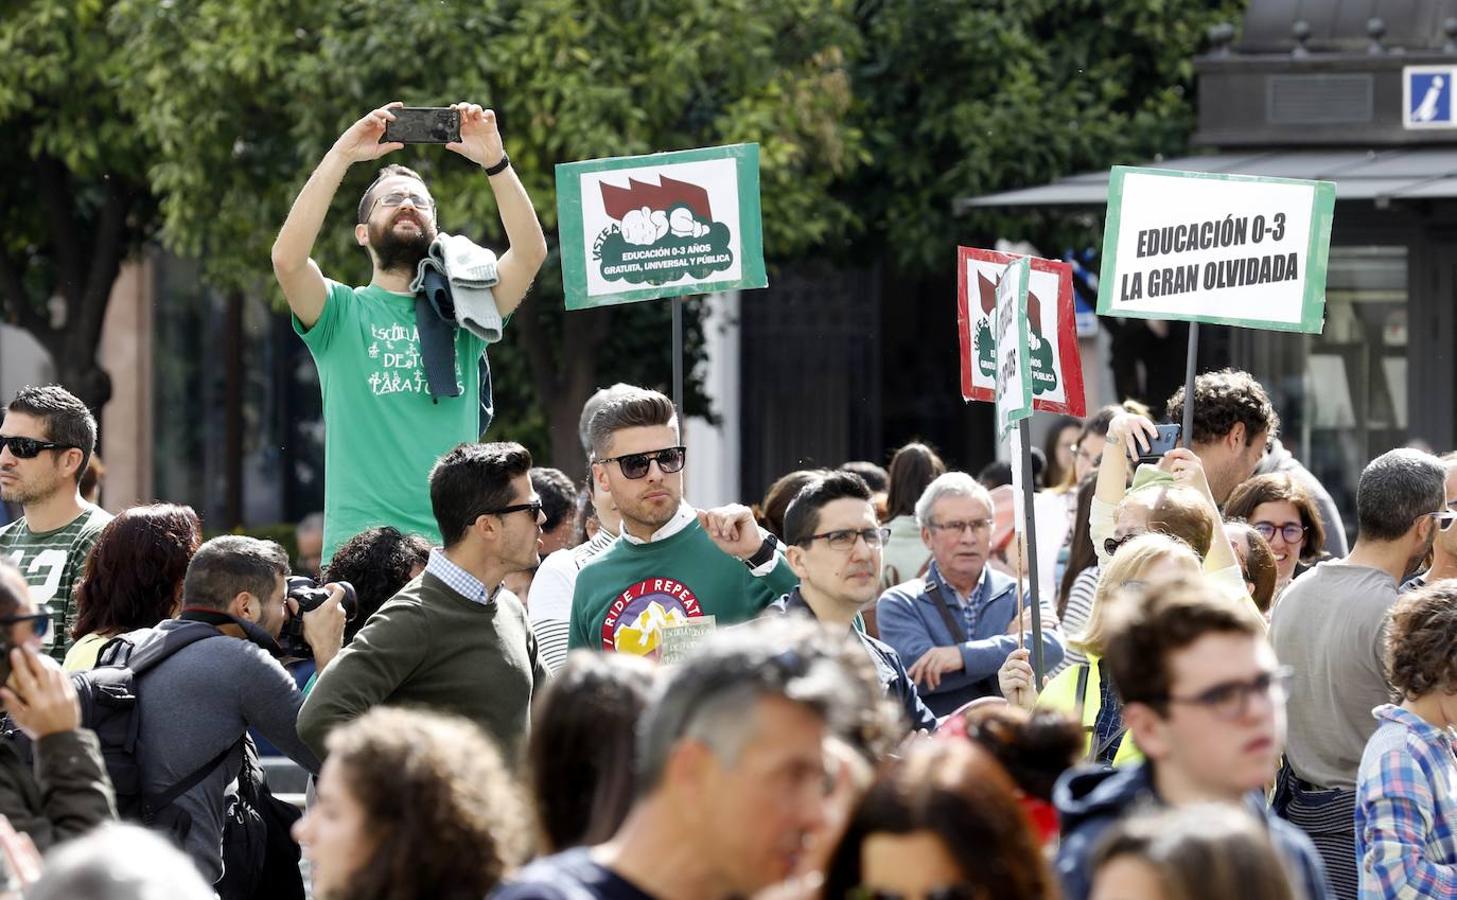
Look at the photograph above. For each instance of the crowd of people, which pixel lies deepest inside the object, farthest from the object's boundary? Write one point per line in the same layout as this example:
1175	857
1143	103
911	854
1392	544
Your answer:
509	684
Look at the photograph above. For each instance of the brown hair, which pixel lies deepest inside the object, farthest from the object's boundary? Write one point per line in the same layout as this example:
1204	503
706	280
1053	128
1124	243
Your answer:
958	791
780	494
912	468
441	807
1202	852
1034	747
1277	487
1420	634
1180	512
1222	400
1259	562
392	169
133	574
1081	554
580	753
1146	627
631	408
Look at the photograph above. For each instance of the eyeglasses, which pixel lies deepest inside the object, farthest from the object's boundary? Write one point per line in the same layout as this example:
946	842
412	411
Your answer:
1291	532
1231	700
30	448
396	198
1113	543
534	506
635	465
1444	517
845	538
41	622
943	892
974	525
1086	456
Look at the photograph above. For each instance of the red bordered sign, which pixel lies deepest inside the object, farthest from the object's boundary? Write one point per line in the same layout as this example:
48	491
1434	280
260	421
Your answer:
1057	367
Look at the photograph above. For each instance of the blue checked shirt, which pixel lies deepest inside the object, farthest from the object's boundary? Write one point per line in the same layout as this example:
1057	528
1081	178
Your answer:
458	579
1406	811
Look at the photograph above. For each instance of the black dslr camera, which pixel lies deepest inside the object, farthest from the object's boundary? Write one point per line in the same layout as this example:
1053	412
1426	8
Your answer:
309	595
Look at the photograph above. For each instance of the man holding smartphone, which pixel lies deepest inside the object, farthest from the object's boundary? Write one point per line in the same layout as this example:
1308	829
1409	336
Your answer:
384	428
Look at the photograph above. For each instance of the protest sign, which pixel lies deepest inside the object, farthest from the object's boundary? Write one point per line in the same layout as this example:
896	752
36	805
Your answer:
1225	249
1052	343
664	225
1013	391
680	639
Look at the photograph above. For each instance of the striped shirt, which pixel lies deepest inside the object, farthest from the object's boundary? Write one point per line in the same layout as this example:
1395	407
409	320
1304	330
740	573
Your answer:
550	602
51	563
1406	811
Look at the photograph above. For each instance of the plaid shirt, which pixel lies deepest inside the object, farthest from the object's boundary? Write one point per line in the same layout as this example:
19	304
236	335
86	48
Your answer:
458	579
1406	811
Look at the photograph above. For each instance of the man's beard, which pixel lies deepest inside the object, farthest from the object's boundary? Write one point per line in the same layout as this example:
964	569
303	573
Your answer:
26	494
396	253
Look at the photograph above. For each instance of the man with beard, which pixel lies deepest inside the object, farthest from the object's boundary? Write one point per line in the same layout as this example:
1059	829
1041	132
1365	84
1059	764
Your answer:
1330	627
45	439
672	565
384	429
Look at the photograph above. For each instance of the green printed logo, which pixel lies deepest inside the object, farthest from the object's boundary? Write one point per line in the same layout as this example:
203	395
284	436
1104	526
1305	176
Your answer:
1040	361
660	233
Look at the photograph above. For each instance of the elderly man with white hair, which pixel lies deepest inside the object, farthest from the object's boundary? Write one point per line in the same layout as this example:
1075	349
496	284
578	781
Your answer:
956	625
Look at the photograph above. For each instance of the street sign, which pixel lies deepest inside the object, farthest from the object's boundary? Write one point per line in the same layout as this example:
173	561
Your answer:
1013	394
665	225
1427	97
1225	249
1052	344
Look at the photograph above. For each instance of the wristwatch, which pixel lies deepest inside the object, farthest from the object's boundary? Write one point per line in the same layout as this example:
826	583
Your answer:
499	167
765	552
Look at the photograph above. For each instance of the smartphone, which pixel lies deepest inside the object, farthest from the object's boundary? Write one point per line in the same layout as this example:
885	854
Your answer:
423	125
1168	438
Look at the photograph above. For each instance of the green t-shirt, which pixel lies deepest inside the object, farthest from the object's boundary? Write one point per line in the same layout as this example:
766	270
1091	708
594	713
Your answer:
51	563
383	430
626	595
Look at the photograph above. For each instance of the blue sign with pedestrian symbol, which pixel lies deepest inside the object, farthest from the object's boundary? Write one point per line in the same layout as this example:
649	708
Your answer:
1427	92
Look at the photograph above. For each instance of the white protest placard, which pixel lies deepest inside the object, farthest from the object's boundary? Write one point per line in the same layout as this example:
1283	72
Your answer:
1014	378
1225	249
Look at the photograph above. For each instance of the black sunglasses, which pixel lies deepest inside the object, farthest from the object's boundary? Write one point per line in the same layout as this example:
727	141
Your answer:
534	506
30	448
635	465
41	620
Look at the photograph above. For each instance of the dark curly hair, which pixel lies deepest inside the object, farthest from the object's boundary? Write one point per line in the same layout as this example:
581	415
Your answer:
1221	400
1035	748
133	574
443	812
1419	638
959	792
378	562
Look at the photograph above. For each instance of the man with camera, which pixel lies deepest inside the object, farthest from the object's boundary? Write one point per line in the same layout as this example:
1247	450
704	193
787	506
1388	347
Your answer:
221	677
387	415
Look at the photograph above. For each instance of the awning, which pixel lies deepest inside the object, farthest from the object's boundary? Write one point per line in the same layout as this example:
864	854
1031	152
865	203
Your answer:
1408	174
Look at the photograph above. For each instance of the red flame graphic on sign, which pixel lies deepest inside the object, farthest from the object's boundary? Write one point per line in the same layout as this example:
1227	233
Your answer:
988	291
621	201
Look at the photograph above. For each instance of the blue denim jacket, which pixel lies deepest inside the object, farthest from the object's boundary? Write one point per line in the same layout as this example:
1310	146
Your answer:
909	622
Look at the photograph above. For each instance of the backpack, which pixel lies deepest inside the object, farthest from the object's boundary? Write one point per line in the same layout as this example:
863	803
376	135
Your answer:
260	856
108	698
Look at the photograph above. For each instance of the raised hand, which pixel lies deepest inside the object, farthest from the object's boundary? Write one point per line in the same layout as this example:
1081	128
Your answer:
733	529
480	140
360	141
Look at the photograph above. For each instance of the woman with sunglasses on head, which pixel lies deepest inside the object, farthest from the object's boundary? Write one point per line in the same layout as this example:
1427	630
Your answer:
1287	517
941	823
66	792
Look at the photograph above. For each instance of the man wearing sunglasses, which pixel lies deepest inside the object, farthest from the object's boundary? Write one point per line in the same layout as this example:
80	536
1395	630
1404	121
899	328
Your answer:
672	563
1330	626
452	640
1204	697
46	438
1444	545
834	543
386	423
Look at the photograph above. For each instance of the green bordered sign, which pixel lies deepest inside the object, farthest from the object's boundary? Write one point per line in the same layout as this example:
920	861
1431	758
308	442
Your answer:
665	225
1226	249
1014	373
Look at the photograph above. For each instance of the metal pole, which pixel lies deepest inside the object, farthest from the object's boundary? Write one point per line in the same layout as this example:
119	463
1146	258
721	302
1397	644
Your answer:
678	358
1026	463
1189	366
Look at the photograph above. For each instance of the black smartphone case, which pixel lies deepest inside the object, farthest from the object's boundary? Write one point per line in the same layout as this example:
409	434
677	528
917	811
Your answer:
423	125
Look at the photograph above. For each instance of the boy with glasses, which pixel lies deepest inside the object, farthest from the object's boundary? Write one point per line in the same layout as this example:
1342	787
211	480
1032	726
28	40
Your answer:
393	403
1204	698
1330	627
672	564
834	545
46	438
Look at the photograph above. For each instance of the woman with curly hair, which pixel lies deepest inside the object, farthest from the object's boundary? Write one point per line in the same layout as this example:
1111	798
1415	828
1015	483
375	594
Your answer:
133	576
412	805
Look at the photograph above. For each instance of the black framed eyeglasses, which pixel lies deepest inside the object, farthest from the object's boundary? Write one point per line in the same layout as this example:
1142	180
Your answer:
534	506
41	622
1290	532
636	465
1231	700
30	448
1113	543
845	538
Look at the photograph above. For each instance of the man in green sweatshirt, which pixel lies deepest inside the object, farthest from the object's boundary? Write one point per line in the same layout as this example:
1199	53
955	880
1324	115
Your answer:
672	564
451	640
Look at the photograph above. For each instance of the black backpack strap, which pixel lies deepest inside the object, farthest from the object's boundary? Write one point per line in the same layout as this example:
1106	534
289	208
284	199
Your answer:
950	620
154	803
